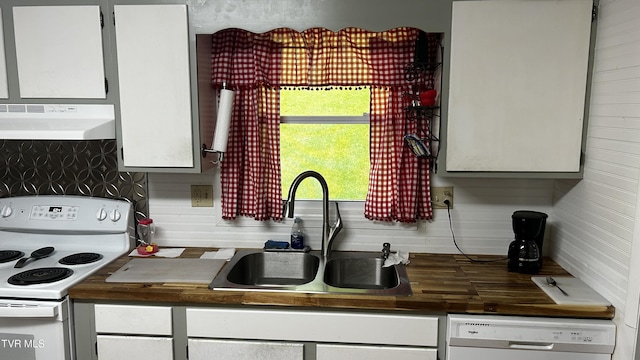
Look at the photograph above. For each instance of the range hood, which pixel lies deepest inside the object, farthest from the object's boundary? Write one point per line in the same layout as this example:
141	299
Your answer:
57	122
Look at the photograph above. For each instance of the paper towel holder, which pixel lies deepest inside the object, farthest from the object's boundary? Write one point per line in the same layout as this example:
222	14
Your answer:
206	150
221	134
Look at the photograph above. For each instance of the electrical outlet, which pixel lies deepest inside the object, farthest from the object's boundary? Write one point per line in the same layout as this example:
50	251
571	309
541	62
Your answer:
201	195
439	195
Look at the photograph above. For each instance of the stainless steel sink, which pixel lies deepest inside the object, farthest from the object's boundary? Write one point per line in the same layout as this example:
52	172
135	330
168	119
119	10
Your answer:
344	273
360	273
274	269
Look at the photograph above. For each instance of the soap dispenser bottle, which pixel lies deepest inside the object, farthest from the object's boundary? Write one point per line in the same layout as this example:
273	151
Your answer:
297	236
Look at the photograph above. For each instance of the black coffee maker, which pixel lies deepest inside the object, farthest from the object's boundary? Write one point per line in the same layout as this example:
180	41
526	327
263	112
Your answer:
525	252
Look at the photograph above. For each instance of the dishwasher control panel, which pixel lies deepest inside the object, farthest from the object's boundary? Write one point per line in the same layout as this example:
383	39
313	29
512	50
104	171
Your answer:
538	332
531	333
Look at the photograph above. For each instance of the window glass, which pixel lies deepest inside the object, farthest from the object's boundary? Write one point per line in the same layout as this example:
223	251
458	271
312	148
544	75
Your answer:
325	130
333	101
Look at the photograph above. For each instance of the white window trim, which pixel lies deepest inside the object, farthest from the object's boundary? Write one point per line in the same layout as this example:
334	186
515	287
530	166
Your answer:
364	119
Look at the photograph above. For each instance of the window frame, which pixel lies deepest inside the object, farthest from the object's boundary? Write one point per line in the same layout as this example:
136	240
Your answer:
319	119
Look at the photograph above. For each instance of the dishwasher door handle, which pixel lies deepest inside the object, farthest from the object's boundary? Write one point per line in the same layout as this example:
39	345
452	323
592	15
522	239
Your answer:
530	345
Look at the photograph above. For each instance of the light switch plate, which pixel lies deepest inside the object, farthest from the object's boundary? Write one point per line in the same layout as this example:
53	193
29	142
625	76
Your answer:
201	195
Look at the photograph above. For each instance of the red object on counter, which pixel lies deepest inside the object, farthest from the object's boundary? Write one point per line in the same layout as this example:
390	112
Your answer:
147	249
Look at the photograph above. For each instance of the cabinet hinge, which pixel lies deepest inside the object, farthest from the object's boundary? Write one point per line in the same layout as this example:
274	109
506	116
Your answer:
594	13
113	15
186	349
106	86
95	346
122	153
101	20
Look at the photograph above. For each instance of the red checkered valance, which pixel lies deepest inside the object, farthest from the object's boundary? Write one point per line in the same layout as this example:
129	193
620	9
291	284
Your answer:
314	57
257	65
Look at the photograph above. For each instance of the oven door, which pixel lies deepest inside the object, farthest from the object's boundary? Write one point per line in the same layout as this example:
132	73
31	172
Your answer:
35	330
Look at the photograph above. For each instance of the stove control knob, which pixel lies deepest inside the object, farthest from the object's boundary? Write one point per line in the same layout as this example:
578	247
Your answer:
6	211
115	215
101	214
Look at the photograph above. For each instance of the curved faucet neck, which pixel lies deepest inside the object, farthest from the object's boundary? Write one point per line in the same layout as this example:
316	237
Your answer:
288	208
291	198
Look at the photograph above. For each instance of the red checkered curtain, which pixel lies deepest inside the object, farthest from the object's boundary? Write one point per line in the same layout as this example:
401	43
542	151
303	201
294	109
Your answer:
399	185
256	65
249	64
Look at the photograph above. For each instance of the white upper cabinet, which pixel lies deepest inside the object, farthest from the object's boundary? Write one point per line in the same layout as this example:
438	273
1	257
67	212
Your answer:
152	48
518	79
4	85
59	51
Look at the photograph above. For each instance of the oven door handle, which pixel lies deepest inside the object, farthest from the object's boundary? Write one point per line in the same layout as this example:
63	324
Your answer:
27	311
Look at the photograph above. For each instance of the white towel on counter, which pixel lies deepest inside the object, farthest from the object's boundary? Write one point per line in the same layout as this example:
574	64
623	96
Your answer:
162	252
223	254
399	257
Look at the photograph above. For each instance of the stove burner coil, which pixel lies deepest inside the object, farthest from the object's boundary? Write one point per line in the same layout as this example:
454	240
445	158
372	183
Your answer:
40	276
80	258
10	255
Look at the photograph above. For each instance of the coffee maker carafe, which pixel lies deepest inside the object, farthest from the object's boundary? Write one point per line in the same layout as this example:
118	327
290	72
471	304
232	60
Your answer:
525	252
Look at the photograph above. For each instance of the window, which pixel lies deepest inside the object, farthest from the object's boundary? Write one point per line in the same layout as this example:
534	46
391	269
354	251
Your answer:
326	130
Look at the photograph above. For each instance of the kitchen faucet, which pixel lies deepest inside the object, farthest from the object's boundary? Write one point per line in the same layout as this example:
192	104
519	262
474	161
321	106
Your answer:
328	232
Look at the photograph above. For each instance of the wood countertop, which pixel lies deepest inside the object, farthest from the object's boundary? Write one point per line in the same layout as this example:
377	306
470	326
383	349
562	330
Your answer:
440	283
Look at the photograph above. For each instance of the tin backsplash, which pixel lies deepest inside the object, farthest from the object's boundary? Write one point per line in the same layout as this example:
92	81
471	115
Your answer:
39	167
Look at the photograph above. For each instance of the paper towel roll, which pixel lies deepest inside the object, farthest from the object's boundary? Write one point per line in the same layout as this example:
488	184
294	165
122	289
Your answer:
221	134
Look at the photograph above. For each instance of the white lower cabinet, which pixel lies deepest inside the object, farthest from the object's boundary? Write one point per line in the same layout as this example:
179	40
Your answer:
351	352
282	334
206	349
138	332
156	332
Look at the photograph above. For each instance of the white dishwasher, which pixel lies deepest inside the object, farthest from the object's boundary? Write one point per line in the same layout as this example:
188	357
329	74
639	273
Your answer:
482	337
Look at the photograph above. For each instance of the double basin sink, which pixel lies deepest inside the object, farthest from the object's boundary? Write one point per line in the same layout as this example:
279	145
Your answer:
344	272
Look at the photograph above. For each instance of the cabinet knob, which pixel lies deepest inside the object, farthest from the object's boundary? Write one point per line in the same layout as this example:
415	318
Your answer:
101	214
115	215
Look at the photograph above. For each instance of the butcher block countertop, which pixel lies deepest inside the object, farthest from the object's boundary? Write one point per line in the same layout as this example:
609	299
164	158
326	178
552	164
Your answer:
440	283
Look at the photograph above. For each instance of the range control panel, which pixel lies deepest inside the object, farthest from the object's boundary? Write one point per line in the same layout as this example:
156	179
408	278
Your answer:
54	212
66	213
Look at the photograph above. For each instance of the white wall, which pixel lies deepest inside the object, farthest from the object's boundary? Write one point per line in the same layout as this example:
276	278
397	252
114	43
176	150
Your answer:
599	215
481	218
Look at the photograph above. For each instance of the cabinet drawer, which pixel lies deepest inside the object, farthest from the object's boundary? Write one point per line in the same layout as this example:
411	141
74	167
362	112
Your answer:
316	326
130	319
345	352
134	347
201	349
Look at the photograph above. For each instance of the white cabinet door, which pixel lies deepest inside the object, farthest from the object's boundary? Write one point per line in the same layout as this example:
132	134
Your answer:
4	86
517	85
112	347
351	352
59	51
152	46
205	349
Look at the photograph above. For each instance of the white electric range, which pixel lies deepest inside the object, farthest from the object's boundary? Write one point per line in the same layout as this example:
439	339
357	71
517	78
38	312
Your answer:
77	235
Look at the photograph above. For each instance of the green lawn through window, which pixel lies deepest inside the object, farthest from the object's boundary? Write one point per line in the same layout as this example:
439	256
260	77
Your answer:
340	152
